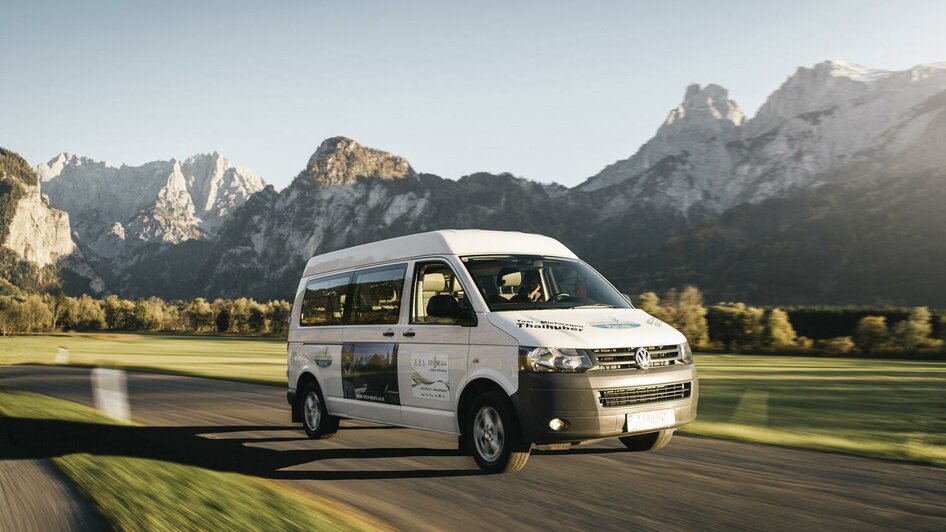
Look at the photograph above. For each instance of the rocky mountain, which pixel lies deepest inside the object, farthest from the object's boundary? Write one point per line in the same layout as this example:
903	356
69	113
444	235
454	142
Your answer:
707	157
36	246
122	214
880	242
347	194
830	193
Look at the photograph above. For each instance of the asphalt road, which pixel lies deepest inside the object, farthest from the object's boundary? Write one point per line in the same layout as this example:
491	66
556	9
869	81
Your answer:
416	480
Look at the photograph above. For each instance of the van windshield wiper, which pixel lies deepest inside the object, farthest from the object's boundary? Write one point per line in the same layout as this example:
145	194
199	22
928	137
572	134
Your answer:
594	305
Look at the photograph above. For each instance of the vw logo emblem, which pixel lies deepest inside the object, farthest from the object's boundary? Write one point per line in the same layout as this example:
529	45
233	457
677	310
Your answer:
642	358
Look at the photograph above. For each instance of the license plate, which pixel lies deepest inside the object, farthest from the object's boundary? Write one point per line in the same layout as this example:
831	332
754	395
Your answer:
655	419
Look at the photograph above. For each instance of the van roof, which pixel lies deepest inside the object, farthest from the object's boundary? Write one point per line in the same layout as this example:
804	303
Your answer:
444	242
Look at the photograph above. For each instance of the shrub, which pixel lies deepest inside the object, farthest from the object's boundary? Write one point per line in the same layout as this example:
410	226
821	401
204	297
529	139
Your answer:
735	325
840	345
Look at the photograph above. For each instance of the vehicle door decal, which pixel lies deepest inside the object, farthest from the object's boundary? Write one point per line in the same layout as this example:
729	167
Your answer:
369	372
429	377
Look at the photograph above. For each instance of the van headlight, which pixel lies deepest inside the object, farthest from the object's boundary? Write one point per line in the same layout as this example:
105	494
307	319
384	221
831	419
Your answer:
686	353
549	359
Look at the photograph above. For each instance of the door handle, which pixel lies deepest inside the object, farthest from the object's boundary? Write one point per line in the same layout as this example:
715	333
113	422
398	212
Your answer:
389	332
409	333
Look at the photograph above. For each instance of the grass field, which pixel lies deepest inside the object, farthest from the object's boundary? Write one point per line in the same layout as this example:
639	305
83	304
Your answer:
884	408
260	360
143	494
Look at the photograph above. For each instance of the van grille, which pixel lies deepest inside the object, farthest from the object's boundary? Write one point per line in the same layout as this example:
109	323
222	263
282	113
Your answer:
623	357
644	394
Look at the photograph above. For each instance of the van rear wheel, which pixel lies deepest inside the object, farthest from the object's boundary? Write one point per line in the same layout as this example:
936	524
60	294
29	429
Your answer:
316	421
493	436
647	442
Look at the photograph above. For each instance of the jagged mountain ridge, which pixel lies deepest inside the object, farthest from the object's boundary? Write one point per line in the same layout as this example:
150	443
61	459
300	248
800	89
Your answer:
119	210
707	157
836	124
262	247
852	132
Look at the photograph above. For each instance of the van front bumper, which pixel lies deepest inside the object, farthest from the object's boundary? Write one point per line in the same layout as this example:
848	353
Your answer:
577	399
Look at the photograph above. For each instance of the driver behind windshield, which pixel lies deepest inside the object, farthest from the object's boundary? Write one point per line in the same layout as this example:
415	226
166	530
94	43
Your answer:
530	291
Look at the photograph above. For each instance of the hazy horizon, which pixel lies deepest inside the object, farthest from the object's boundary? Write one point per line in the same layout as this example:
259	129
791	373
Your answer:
546	92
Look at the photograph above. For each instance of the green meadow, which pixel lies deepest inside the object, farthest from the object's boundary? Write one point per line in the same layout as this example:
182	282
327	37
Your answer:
251	359
883	408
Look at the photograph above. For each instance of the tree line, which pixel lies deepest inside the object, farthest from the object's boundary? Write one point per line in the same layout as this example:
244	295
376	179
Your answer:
737	327
47	312
724	327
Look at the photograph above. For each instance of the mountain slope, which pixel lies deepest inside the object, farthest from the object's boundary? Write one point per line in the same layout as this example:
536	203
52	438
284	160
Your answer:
874	242
36	244
830	193
347	195
117	212
822	119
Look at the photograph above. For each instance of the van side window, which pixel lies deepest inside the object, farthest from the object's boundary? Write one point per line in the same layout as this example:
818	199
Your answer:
434	279
324	301
376	295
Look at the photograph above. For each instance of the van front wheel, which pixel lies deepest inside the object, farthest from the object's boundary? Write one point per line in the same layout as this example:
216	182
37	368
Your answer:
648	442
493	436
316	421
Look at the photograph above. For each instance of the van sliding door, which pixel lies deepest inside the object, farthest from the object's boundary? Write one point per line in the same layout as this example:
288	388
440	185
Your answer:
369	357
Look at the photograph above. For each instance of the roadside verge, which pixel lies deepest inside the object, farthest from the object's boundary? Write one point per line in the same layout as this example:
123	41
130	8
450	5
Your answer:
134	493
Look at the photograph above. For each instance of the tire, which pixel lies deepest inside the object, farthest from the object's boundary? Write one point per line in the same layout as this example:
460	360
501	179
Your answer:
493	436
647	442
316	421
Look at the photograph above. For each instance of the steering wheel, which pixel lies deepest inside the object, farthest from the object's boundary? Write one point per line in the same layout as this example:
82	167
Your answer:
558	297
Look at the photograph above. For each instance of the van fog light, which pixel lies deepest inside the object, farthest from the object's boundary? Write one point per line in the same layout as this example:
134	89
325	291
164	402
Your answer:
558	424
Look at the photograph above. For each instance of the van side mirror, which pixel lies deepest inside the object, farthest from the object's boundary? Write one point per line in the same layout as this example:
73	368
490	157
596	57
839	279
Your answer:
627	298
447	307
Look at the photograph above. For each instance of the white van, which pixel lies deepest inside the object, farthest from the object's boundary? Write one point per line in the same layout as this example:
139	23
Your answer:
505	339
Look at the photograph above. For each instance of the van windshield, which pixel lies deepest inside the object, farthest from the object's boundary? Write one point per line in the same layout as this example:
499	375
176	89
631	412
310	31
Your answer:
528	282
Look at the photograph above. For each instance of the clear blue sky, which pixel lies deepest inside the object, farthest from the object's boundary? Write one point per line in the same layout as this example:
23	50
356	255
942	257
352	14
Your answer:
549	91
